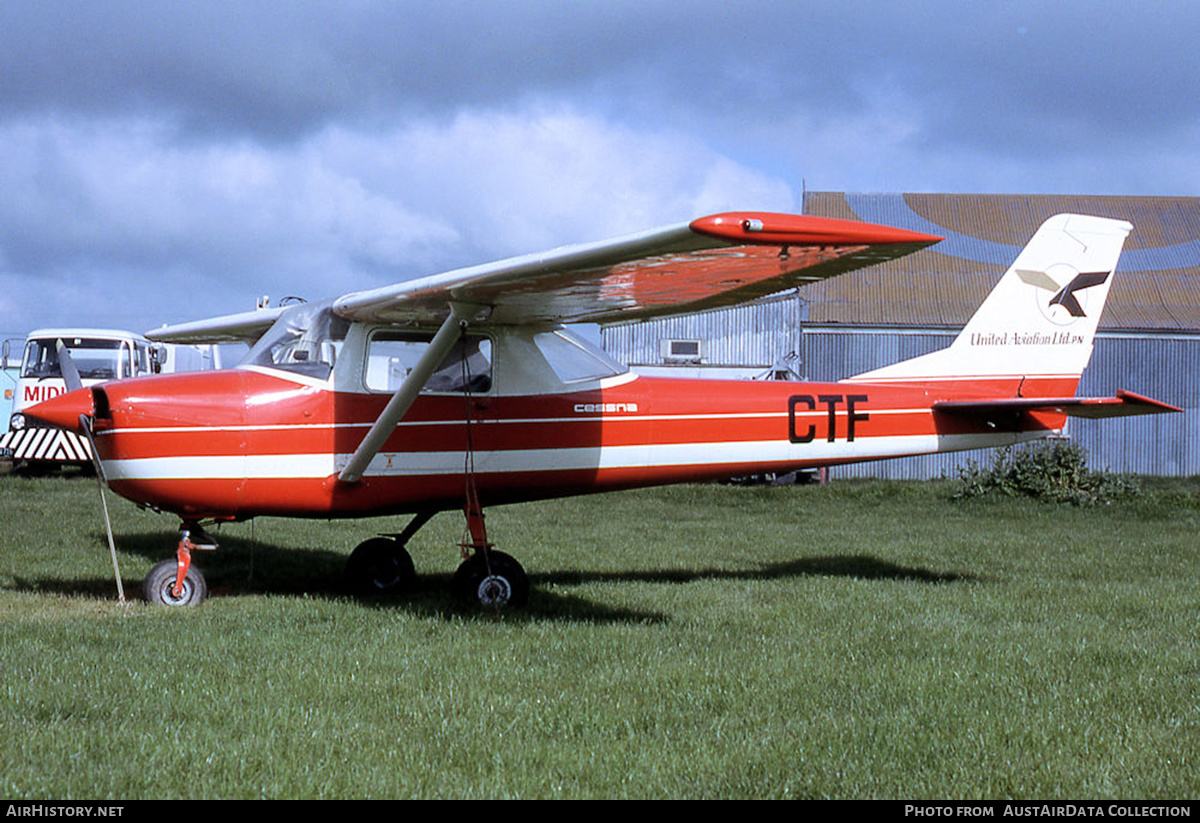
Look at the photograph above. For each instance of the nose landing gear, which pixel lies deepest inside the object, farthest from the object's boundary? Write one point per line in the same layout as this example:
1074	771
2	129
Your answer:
177	582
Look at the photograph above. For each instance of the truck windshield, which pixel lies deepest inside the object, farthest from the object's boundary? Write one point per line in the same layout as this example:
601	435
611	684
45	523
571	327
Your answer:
95	358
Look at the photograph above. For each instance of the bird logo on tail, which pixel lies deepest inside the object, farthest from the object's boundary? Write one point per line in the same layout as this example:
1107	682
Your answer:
1064	296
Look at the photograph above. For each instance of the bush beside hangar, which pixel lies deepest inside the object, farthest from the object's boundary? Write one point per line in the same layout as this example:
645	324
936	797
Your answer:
1149	335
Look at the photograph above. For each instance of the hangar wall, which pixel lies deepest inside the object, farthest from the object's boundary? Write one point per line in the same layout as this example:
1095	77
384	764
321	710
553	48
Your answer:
1159	367
1148	343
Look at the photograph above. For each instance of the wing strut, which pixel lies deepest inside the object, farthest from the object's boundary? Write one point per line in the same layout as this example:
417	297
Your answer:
451	329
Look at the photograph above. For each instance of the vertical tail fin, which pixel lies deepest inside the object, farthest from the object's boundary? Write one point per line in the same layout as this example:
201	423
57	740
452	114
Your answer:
1040	319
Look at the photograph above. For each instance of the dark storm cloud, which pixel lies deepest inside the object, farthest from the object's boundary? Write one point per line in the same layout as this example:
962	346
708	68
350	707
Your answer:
279	69
283	69
229	148
998	77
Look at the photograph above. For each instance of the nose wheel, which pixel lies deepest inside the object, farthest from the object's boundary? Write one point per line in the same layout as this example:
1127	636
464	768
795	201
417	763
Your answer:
162	587
177	582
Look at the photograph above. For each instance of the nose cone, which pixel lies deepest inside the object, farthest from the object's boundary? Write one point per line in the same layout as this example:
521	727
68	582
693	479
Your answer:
63	411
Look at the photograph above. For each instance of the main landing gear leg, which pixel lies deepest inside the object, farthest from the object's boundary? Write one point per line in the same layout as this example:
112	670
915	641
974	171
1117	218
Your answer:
382	565
488	577
177	582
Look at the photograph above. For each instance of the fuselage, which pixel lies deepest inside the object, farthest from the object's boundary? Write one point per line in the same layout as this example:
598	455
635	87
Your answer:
259	440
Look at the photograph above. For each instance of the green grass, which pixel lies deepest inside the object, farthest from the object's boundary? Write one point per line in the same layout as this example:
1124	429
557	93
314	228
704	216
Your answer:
867	639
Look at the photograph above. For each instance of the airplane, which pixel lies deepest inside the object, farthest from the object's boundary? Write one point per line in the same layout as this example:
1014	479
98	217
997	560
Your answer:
465	390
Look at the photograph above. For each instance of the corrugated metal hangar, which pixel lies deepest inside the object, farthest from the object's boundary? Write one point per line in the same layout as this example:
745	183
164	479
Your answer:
1148	343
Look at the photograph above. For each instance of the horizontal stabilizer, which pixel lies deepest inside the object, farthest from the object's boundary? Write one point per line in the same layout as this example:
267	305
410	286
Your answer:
1124	404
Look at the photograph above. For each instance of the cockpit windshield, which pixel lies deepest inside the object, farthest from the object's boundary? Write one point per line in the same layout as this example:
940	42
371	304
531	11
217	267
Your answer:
305	340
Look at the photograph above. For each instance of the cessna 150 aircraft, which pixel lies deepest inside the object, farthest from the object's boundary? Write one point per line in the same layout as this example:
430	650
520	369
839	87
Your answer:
463	390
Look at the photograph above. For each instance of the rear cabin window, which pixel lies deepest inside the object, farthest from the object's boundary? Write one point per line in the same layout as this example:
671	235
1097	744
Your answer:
573	359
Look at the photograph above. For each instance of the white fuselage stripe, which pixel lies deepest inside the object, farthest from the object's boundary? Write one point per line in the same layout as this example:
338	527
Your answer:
385	464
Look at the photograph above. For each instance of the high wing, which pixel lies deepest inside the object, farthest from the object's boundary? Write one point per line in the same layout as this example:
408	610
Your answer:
717	260
245	327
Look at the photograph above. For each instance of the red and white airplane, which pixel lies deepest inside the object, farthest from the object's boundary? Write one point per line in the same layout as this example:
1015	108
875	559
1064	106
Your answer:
463	390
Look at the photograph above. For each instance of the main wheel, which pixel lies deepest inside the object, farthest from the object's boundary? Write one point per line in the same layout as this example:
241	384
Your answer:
491	578
380	566
159	586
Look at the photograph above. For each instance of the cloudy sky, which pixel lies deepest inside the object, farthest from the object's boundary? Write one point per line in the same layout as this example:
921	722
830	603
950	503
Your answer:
167	161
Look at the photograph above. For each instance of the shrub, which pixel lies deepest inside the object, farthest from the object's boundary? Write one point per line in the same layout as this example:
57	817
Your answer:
1051	470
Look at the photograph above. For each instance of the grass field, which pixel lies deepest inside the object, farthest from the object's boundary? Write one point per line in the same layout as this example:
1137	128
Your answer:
863	639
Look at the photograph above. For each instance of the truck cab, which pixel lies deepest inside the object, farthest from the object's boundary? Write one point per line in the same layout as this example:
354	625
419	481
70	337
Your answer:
99	355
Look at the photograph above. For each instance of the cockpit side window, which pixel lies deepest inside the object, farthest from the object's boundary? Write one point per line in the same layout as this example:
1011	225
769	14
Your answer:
392	354
305	339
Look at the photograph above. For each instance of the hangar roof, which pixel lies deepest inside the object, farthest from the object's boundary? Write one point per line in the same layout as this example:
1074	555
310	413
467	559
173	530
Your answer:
1157	285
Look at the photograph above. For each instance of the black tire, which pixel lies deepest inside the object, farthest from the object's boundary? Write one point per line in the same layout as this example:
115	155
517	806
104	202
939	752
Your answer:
380	566
159	586
493	580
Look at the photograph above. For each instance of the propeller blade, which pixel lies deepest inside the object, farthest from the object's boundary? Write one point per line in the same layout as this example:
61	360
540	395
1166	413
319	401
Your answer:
69	372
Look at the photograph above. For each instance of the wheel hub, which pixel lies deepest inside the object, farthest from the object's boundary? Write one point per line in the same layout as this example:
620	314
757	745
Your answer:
174	595
386	575
494	590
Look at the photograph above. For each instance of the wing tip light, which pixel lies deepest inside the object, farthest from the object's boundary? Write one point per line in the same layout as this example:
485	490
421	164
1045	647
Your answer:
766	228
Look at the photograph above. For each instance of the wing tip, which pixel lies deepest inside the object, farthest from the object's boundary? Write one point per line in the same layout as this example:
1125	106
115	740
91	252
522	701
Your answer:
770	228
1153	405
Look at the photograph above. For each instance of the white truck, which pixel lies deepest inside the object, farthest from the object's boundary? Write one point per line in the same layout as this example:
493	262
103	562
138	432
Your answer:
99	355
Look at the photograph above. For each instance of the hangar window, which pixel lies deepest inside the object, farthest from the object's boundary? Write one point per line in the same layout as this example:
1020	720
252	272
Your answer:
675	350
